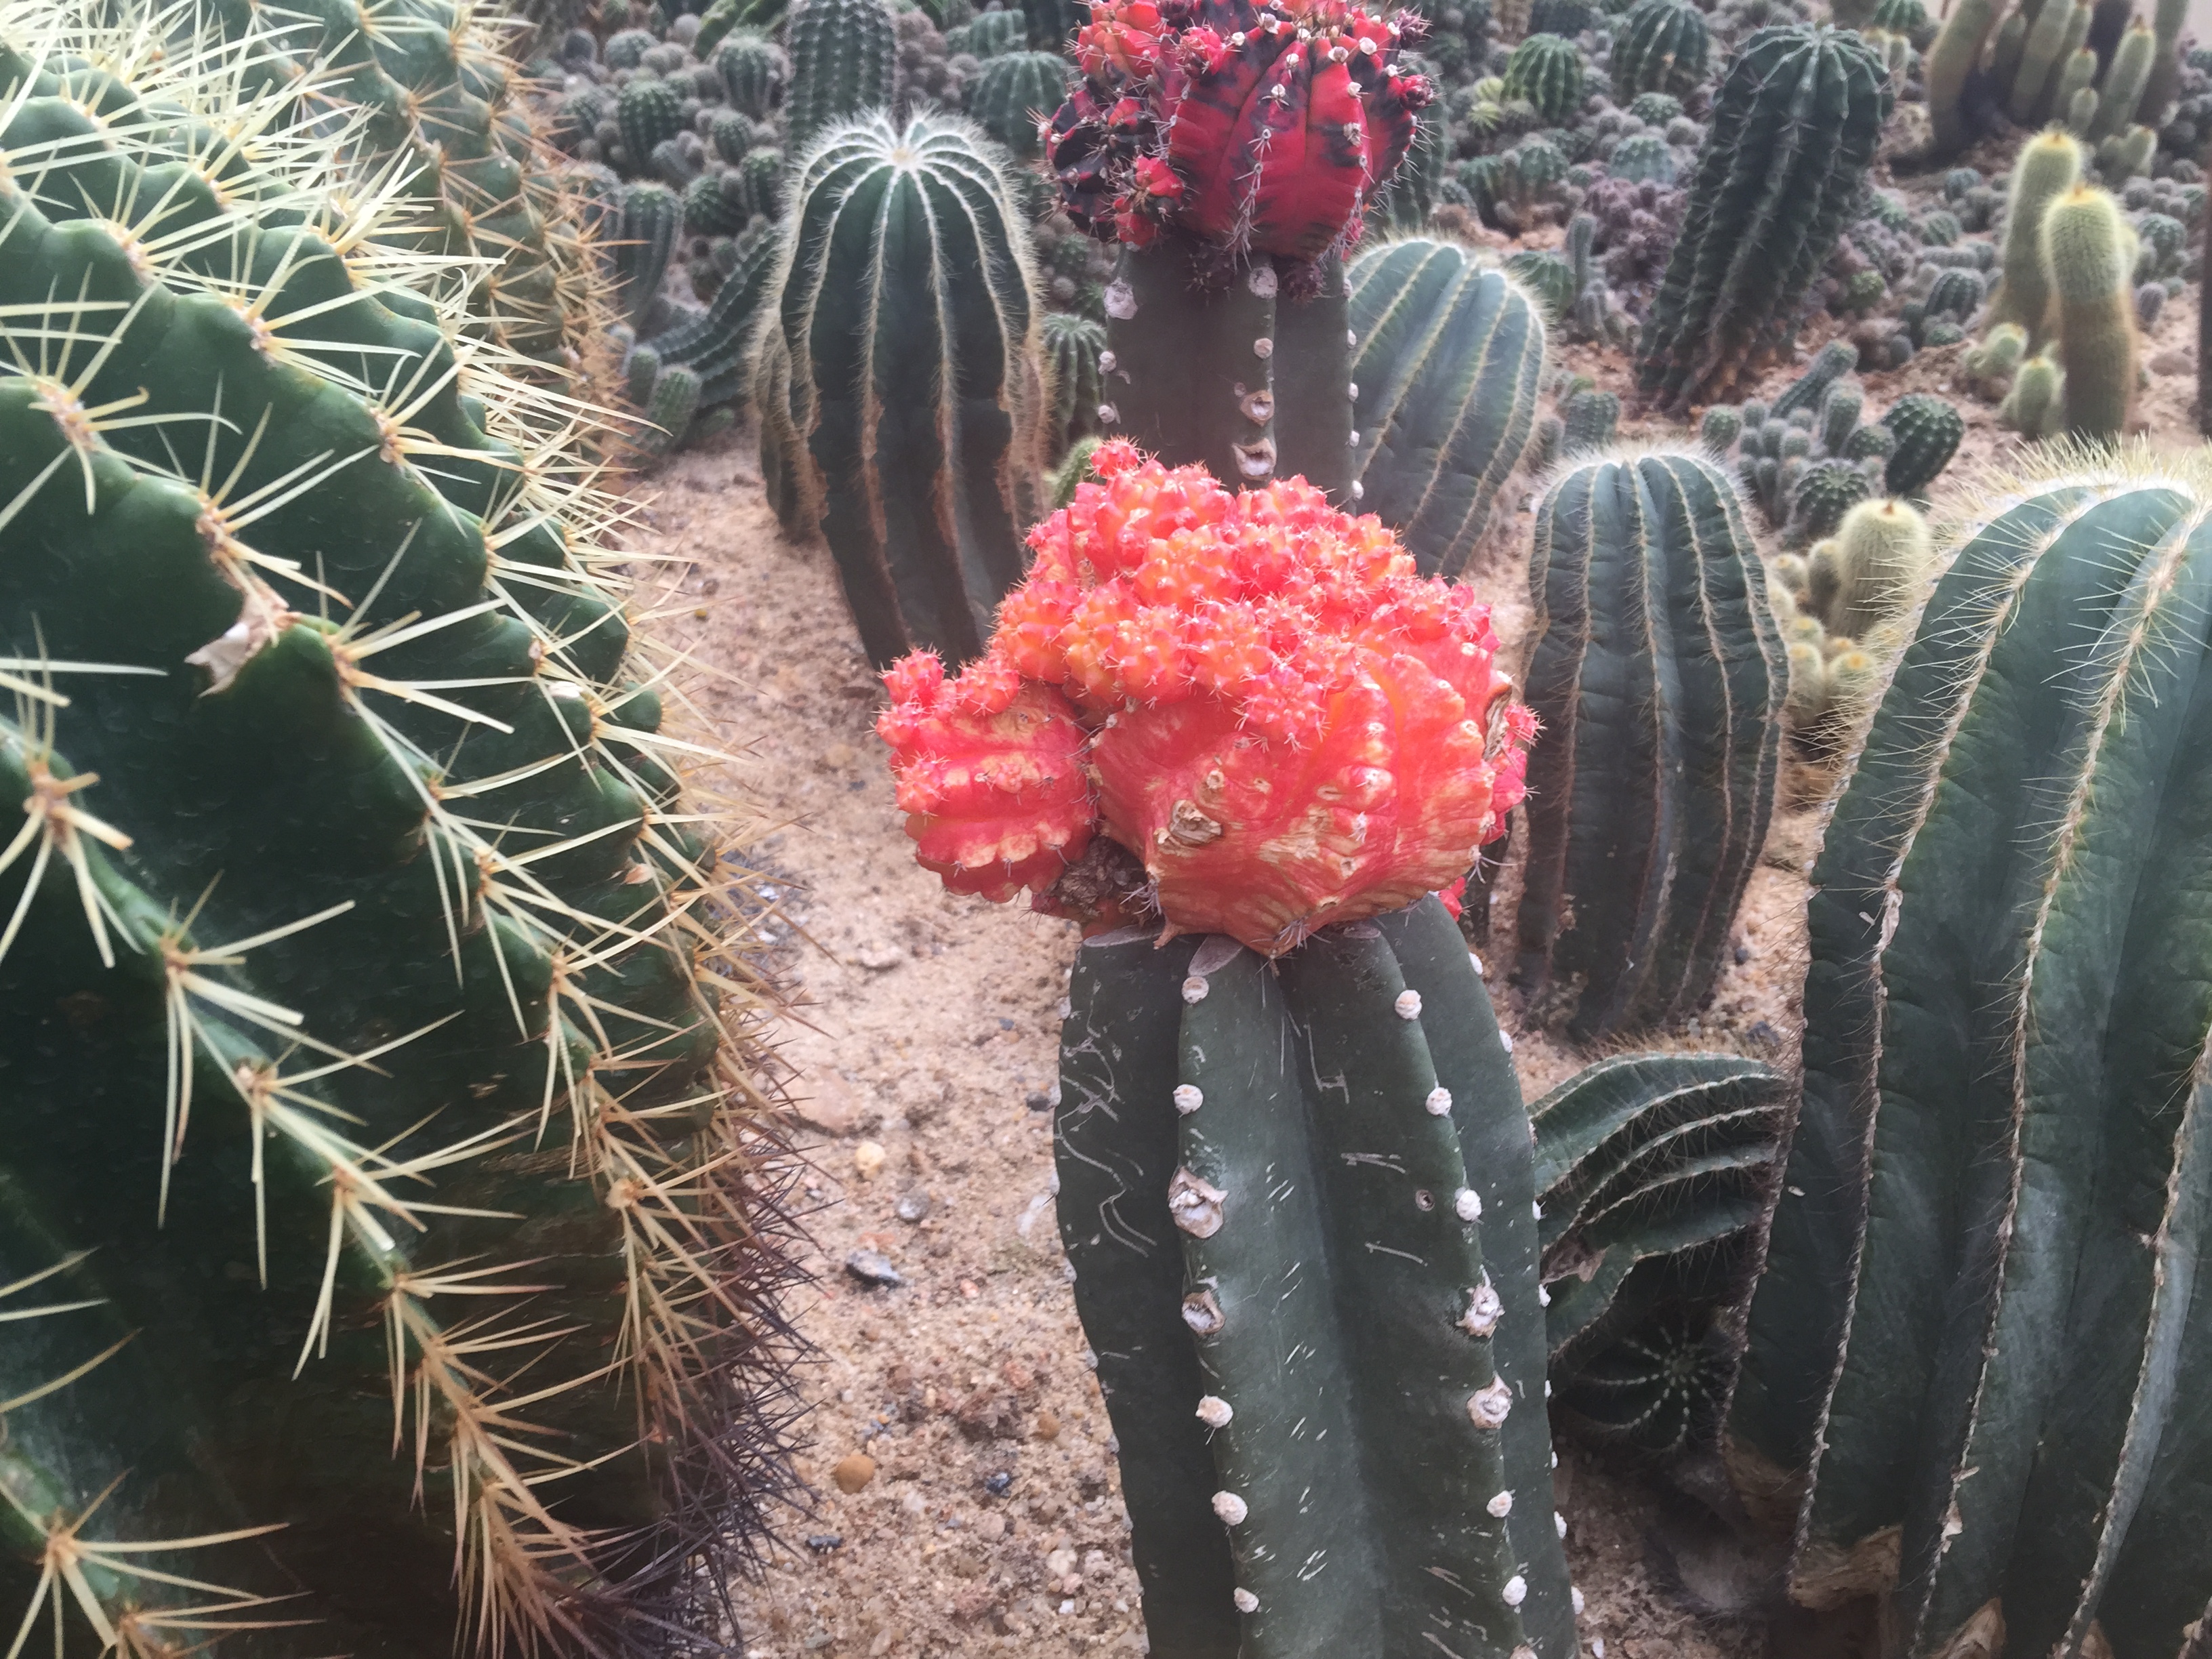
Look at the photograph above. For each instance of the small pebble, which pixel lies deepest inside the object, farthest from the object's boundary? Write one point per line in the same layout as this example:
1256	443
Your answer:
1037	1100
823	1542
1048	1426
1742	955
991	1529
913	1204
868	1158
874	1267
878	958
998	1483
852	1474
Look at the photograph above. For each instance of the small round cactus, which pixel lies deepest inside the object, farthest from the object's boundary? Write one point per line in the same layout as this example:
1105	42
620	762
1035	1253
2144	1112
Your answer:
1929	430
1546	72
648	112
1640	156
1826	491
1661	47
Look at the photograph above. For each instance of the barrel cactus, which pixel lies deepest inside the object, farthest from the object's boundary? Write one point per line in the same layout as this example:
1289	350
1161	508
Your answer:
384	1134
1244	1116
989	34
754	72
1929	430
649	112
1795	121
1658	675
1661	47
1969	1353
902	405
843	55
1014	94
1447	367
1545	70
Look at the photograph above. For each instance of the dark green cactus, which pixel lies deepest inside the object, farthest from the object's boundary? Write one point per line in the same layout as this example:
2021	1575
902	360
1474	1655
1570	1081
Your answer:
1073	347
713	343
2089	254
1012	91
1824	492
1549	279
843	58
1589	422
1546	72
1218	1221
1794	126
1450	359
648	112
1719	428
715	205
754	72
731	135
381	1133
1974	1340
901	401
1929	430
1660	47
1641	156
1250	384
990	34
1052	23
1831	363
760	184
1646	1165
1659	676
651	216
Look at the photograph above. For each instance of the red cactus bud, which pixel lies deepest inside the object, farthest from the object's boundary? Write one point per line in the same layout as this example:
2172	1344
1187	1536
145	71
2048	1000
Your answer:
1287	726
990	775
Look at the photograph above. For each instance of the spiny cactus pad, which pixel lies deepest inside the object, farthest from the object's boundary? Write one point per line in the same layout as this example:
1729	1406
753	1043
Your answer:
1285	724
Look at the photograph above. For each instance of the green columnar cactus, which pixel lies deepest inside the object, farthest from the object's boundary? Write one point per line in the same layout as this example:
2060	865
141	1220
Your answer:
1929	430
651	215
991	34
440	105
713	205
2168	19
902	405
1794	126
1830	364
2089	253
2048	166
713	343
760	184
1659	676
382	1130
1052	23
843	54
1992	364
673	404
2045	48
1221	1210
648	112
2123	83
1450	359
1840	418
2036	405
1546	72
1073	347
1590	420
1883	553
754	72
1970	1349
1651	1172
1661	47
1955	54
1719	429
1014	92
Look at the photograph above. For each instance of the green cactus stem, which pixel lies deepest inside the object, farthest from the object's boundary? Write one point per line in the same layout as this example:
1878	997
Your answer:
1976	1304
2040	56
1794	126
1448	366
1810	390
1012	92
1929	430
2089	253
2048	166
1658	675
1661	47
383	1115
2036	405
2168	17
713	343
1823	493
1884	555
1956	53
901	402
1217	1223
843	57
651	216
1545	71
754	72
1073	347
1590	419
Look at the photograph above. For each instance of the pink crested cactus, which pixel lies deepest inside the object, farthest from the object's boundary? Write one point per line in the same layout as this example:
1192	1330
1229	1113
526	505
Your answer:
1261	128
1255	694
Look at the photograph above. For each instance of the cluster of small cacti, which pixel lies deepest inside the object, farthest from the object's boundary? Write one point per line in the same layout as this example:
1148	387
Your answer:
388	1112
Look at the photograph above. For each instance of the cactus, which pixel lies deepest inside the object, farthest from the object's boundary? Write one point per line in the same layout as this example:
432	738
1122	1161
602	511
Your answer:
651	215
1548	279
1645	1165
712	207
1839	417
1074	469
1545	71
1824	492
1719	429
1448	361
902	405
1189	1070
1589	419
626	47
411	1164
991	34
2036	405
1796	121
1658	676
648	112
713	343
1928	431
1073	347
1013	94
2089	253
1053	24
1977	1297
754	72
1956	53
842	56
2048	166
1810	390
1641	156
1660	47
760	180
1883	556
2046	47
2168	17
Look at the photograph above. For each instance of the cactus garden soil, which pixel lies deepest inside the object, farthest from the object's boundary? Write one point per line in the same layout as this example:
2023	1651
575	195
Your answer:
968	1499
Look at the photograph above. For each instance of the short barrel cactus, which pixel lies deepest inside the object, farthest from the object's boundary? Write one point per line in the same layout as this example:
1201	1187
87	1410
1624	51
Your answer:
1661	47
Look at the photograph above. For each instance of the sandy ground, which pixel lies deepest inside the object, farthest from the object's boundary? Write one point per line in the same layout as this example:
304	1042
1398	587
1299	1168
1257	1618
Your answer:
968	1499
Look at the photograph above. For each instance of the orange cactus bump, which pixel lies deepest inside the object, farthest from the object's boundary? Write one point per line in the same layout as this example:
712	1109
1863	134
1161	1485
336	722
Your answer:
1283	722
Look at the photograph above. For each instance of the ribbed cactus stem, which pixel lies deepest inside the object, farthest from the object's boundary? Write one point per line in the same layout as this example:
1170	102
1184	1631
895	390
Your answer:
1883	547
2048	166
1957	51
2123	83
2036	405
2040	57
2006	48
1658	675
2089	251
1833	360
2168	17
843	60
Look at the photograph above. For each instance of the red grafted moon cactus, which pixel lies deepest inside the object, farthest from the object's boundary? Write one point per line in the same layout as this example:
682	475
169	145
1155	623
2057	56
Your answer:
1278	718
1263	128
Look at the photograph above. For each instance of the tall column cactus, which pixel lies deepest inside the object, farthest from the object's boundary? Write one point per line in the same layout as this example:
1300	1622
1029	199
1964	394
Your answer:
1968	1357
1296	1183
1448	366
1794	129
1658	676
1226	321
387	1238
843	56
902	405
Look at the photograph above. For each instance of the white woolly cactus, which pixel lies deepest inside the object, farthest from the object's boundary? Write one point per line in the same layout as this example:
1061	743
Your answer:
388	1221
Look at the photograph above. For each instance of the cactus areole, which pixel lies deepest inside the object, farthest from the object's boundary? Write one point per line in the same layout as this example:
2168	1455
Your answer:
1257	129
1254	694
